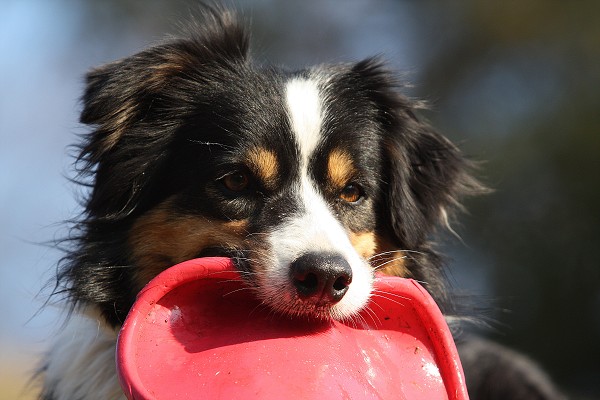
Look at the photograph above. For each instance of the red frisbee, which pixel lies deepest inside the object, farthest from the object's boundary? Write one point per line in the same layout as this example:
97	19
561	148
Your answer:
195	332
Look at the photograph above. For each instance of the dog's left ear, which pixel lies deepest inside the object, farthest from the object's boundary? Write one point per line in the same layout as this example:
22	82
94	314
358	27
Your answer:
425	174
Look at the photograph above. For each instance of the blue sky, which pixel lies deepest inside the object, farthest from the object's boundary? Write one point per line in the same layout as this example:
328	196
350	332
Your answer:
37	108
41	71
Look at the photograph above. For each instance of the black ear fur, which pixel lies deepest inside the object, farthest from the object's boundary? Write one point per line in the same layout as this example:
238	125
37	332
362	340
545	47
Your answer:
136	104
426	174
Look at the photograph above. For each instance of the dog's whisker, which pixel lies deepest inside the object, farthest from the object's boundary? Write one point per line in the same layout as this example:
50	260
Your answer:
373	316
385	253
389	298
352	320
206	143
258	307
376	304
380	266
381	293
237	291
252	234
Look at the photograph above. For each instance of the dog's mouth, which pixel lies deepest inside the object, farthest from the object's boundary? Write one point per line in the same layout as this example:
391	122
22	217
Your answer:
300	297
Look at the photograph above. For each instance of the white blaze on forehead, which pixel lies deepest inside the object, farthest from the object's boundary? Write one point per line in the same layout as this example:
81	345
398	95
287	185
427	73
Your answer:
314	228
304	108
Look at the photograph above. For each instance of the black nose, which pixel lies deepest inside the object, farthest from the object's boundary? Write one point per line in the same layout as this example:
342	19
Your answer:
321	277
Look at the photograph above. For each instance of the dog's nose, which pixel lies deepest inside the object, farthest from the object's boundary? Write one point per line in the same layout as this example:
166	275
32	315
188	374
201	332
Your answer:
321	277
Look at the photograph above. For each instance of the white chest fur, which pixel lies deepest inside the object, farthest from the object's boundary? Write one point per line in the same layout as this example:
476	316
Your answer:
81	362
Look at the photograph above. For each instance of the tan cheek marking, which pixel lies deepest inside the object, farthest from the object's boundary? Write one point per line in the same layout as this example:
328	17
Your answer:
389	260
364	243
264	164
382	256
340	168
161	239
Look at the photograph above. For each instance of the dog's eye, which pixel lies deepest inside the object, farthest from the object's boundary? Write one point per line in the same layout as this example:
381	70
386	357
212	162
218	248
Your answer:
237	181
351	193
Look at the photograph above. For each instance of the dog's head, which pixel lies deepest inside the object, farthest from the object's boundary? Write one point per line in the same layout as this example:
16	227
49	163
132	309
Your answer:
311	180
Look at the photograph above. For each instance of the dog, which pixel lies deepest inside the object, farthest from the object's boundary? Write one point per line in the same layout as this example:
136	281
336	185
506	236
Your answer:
310	180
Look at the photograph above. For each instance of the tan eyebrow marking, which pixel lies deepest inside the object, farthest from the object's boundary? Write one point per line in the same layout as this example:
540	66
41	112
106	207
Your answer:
340	167
263	162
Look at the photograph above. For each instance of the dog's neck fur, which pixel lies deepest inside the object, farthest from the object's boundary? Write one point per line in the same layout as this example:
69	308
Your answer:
81	362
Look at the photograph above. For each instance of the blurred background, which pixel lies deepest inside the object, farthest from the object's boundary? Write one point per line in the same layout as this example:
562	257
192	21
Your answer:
515	83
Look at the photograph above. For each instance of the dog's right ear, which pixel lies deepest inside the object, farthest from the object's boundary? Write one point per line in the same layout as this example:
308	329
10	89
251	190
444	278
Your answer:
137	104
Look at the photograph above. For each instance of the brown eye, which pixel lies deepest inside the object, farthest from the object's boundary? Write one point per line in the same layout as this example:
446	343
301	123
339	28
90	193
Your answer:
351	193
237	181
